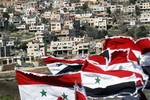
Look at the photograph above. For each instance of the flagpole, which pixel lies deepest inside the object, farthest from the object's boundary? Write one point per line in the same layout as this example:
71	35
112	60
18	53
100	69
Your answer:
75	90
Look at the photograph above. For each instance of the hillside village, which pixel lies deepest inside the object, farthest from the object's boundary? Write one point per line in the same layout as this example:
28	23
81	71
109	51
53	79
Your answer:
30	29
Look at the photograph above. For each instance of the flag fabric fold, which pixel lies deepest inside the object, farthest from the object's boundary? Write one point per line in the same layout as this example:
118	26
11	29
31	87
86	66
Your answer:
80	93
45	87
121	69
121	42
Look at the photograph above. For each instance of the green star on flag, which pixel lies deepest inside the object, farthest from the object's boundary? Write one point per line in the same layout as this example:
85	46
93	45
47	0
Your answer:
64	96
97	80
139	58
43	93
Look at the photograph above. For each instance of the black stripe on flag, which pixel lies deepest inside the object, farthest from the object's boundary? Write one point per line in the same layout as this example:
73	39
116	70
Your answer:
122	88
71	68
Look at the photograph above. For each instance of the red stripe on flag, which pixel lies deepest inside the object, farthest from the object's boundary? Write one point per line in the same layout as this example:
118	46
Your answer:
144	45
50	59
119	42
66	80
99	59
88	67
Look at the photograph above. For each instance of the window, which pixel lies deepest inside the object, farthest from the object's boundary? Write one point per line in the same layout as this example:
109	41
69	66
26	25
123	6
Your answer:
53	24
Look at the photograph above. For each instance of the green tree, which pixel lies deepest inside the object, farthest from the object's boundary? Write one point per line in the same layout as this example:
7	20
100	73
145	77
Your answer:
23	46
141	32
108	10
123	28
85	6
5	15
131	32
10	9
6	18
11	27
132	1
65	9
92	32
138	11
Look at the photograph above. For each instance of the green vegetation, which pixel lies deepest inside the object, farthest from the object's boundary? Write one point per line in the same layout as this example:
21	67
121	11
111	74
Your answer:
22	35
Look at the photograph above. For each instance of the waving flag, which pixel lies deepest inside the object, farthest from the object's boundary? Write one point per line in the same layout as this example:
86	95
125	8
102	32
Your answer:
89	67
98	59
52	59
43	87
125	60
60	65
80	93
144	45
60	68
121	42
103	85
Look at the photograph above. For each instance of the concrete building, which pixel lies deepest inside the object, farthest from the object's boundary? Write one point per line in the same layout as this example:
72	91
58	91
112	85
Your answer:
55	26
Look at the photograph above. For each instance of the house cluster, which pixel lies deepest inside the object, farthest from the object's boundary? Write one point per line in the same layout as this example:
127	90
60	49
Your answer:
56	24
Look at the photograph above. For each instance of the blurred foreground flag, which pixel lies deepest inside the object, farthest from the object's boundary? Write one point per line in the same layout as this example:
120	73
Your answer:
144	45
34	86
80	93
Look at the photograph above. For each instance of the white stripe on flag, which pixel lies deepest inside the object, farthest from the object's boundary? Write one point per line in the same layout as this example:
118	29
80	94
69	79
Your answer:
45	92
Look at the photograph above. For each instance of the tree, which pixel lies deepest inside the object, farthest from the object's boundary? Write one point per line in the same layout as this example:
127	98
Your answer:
132	1
65	9
131	32
6	18
5	15
11	27
10	9
92	32
85	6
23	46
141	32
123	28
138	11
108	10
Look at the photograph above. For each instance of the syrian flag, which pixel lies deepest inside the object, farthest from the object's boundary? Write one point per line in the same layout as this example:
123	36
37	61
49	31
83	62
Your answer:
103	85
101	60
125	60
121	42
52	59
89	67
105	53
80	93
144	45
33	86
60	68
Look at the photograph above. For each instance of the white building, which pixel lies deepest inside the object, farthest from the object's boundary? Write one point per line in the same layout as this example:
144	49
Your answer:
55	26
61	47
100	23
36	49
129	9
97	8
40	27
47	15
43	36
145	18
63	35
31	20
144	6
